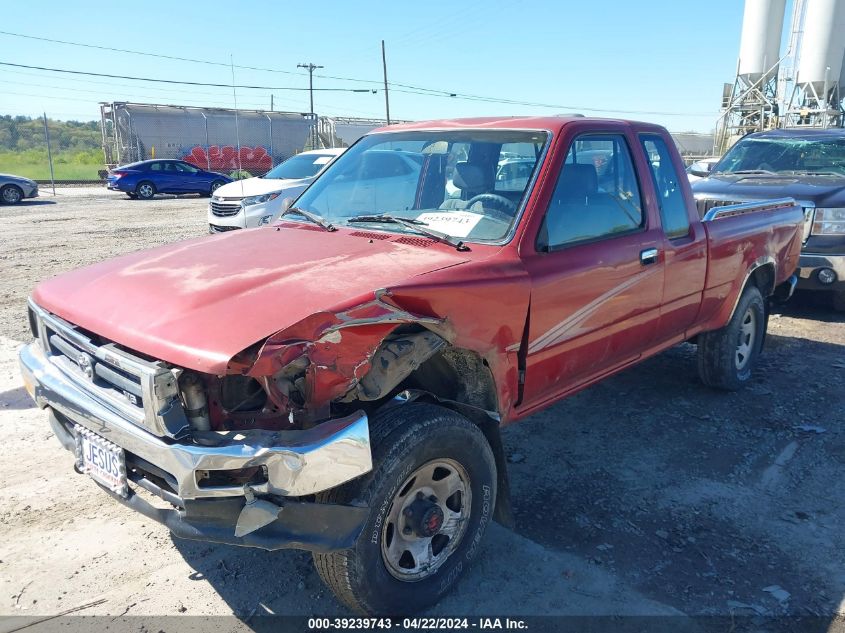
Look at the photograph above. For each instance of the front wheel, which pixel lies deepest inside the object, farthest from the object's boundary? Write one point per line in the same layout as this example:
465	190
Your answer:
11	194
431	495
726	357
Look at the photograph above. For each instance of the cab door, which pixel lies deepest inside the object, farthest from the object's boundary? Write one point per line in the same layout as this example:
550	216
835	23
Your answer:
596	271
685	244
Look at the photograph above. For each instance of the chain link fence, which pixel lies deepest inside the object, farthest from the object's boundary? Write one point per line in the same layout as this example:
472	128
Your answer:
238	142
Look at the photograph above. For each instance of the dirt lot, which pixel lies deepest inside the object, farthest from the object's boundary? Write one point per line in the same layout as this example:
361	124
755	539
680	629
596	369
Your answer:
647	494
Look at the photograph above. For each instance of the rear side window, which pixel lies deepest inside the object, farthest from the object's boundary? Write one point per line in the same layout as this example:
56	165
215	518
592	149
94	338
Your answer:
670	198
597	195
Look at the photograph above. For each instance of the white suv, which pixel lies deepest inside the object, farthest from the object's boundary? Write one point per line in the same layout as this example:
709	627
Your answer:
245	204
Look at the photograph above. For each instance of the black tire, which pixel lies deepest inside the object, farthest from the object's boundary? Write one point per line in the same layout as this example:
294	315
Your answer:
215	186
11	194
406	440
726	357
145	190
839	300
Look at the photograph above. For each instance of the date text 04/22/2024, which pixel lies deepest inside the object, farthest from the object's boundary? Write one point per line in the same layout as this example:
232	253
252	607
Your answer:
415	624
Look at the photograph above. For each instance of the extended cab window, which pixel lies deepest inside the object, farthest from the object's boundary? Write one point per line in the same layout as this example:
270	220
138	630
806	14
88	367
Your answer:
670	198
596	196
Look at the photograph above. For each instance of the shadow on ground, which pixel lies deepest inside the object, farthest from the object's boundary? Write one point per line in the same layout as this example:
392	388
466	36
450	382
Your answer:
16	400
29	202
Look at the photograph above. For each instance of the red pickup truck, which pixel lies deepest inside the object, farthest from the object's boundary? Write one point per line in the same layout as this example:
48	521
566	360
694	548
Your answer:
337	382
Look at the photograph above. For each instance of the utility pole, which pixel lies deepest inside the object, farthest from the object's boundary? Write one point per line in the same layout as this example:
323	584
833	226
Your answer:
271	102
49	153
311	68
384	68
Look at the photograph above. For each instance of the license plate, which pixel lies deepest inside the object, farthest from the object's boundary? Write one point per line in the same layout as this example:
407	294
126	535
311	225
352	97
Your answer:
103	461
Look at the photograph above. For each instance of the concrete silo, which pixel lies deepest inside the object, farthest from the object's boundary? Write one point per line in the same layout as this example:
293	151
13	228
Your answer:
762	25
819	86
750	104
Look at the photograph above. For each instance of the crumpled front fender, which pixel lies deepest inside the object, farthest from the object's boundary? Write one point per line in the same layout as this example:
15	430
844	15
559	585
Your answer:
332	350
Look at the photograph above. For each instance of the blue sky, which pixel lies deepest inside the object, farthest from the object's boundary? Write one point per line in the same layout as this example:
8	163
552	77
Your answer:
664	59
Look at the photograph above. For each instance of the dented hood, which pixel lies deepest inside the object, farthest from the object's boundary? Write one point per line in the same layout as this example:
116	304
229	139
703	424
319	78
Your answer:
198	303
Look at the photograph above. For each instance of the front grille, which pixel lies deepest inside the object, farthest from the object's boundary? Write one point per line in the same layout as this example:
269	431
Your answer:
215	228
225	208
145	392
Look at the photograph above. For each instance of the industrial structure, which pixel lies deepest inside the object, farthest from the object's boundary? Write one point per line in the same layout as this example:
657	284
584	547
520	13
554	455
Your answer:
799	87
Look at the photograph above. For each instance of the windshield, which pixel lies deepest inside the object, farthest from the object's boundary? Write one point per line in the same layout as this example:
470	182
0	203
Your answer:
466	184
785	155
300	166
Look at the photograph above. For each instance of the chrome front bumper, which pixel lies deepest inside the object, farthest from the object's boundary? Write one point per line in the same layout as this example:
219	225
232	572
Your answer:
810	264
297	463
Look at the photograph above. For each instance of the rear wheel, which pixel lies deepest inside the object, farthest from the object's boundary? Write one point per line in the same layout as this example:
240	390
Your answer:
145	190
726	357
11	194
431	494
215	186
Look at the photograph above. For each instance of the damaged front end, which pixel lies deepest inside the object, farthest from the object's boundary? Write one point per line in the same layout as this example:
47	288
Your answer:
319	366
251	449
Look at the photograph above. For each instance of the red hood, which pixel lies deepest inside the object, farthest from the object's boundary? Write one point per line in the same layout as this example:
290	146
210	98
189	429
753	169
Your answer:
198	303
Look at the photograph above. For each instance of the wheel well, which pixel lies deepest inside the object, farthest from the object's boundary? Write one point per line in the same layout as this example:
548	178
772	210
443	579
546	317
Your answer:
764	278
455	375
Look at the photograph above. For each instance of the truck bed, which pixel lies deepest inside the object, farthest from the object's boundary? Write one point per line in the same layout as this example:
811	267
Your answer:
747	237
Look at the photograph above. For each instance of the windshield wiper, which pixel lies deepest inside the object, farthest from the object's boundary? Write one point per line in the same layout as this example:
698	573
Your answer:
313	217
381	217
417	226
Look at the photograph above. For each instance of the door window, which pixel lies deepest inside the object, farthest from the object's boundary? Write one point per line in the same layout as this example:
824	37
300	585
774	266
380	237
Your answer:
186	168
596	196
670	198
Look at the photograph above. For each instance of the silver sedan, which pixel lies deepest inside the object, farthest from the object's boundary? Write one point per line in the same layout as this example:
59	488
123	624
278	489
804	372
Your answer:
13	189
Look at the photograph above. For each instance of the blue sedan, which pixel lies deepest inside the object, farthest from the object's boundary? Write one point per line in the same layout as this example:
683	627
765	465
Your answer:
149	177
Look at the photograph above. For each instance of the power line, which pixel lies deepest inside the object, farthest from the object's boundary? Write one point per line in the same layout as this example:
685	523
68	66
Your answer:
145	53
185	83
408	88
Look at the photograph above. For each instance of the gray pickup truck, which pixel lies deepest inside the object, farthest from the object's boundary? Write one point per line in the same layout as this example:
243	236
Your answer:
807	165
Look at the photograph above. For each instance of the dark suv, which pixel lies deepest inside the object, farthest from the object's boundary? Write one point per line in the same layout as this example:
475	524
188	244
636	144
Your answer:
808	165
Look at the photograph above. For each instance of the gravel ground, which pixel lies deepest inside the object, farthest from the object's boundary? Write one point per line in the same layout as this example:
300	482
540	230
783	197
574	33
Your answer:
646	494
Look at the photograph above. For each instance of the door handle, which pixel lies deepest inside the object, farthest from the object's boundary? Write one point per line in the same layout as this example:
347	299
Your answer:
649	256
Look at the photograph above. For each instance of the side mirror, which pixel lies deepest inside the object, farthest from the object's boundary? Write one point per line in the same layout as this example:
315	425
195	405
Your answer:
701	168
286	203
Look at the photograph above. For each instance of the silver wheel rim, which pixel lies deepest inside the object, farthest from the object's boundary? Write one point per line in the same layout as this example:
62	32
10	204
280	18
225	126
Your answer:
408	555
11	195
747	335
145	190
215	186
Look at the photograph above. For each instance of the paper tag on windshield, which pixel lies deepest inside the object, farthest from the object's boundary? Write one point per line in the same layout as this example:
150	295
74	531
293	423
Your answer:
456	223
